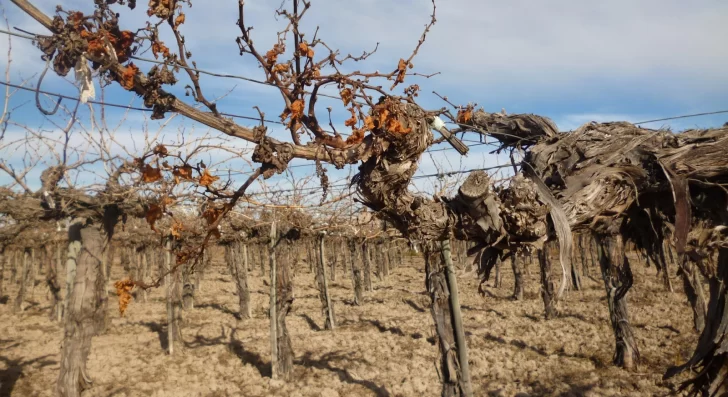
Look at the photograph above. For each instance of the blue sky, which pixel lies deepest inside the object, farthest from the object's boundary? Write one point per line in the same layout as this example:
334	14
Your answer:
572	61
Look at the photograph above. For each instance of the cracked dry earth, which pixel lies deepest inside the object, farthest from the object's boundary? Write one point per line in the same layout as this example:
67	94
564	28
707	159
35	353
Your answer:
382	348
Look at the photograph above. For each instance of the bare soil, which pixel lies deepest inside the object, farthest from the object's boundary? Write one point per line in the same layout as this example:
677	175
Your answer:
382	348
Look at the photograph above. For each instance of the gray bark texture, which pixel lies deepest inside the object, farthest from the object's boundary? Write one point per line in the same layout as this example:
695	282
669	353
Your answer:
617	276
82	311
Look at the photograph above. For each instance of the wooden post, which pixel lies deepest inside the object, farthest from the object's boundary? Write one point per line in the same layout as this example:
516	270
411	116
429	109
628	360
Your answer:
272	309
169	281
457	317
2	272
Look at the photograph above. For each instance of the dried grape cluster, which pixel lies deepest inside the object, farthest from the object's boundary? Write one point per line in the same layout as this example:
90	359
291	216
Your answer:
123	291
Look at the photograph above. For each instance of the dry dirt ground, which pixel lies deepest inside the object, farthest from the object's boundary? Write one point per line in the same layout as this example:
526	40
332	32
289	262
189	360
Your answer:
382	348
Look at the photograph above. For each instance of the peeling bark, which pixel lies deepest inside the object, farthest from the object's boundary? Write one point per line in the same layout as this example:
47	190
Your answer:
24	275
617	276
575	274
326	304
366	260
518	277
239	259
82	311
498	275
174	332
548	289
54	285
280	305
710	359
3	260
437	288
188	288
356	275
692	285
334	260
661	260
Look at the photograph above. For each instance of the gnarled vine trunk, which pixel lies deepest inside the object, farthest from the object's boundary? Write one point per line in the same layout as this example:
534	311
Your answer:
454	381
54	285
356	275
366	260
83	309
692	285
617	276
24	275
548	289
326	304
518	277
710	359
239	258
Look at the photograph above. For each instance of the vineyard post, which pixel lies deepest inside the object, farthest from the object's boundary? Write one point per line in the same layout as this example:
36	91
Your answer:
3	257
246	308
169	281
462	347
272	309
330	322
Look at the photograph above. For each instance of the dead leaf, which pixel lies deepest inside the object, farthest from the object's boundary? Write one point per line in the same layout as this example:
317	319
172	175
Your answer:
464	115
401	71
206	179
183	172
357	135
154	213
346	96
160	150
351	121
159	48
150	174
272	56
127	77
281	68
176	229
305	50
369	123
179	20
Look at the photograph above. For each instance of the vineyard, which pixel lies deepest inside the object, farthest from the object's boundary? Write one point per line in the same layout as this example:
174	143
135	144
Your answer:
211	253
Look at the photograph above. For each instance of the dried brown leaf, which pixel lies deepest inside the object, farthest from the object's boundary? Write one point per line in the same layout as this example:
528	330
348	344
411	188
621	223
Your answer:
206	179
150	174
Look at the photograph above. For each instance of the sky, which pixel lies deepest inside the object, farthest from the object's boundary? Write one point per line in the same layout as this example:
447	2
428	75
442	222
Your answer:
572	61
